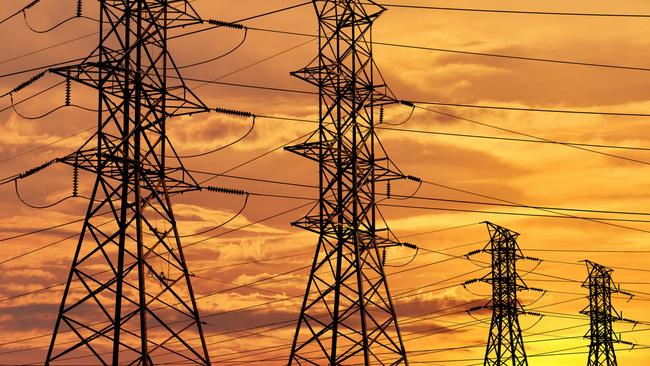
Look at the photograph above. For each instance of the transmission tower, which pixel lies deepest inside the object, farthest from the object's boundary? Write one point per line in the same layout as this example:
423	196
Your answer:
602	314
505	344
347	316
139	309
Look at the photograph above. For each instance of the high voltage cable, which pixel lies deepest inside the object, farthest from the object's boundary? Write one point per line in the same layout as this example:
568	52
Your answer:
24	8
47	48
577	63
399	206
545	210
235	310
285	322
407	319
511	139
511	11
459	105
540	141
182	35
536	139
484	54
271	12
254	352
236	286
213	176
279	347
558	216
22	153
587	250
198	270
416	197
474	121
529	109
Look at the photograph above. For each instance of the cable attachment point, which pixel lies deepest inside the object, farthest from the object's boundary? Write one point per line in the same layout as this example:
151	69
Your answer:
79	7
407	103
237	192
234	112
29	82
221	23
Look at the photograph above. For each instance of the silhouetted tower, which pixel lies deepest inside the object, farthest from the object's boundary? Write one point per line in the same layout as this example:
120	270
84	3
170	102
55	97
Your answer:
128	298
602	314
505	344
347	317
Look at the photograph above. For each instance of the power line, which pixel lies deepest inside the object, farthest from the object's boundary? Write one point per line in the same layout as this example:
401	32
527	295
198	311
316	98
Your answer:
511	139
48	48
24	8
239	286
587	250
529	109
471	53
510	11
516	213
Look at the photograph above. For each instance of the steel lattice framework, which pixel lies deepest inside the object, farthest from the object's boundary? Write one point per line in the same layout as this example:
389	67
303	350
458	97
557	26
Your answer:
128	298
601	314
347	316
505	344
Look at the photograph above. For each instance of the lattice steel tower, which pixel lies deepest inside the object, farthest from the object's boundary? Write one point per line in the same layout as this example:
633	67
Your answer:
601	314
505	344
347	316
128	298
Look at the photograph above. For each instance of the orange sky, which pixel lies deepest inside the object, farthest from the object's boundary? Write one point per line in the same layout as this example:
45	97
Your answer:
533	174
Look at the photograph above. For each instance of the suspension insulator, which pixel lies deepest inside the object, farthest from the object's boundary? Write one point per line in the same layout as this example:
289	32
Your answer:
68	90
79	7
381	114
75	179
388	189
383	257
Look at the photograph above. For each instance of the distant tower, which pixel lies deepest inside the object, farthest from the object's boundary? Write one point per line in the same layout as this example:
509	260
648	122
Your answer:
505	346
601	314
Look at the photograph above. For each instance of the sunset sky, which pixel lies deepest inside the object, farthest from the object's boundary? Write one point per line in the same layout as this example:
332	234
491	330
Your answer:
428	292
